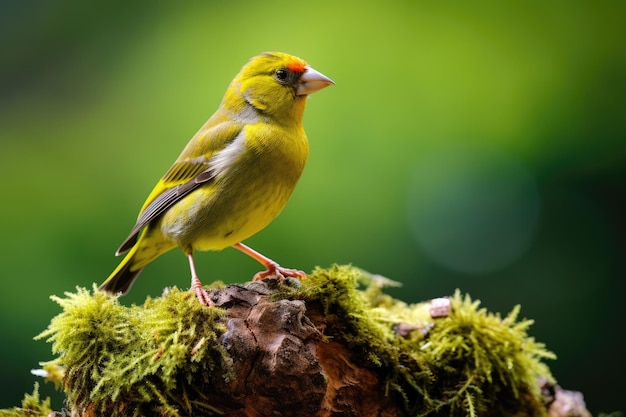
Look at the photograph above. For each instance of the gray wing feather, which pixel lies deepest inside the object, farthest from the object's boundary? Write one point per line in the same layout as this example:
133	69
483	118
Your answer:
161	204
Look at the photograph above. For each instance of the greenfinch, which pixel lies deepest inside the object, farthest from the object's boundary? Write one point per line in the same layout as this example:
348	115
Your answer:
234	176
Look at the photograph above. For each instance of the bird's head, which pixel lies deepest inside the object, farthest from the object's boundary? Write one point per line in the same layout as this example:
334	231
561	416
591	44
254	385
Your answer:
277	84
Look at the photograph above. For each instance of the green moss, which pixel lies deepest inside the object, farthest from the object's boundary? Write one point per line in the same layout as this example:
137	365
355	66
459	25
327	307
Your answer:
464	364
32	406
165	357
145	358
493	357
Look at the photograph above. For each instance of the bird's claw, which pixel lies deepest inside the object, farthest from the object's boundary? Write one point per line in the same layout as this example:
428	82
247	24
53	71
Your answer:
202	294
275	270
203	297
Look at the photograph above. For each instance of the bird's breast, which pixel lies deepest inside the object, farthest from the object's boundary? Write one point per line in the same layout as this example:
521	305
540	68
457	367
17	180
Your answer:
247	198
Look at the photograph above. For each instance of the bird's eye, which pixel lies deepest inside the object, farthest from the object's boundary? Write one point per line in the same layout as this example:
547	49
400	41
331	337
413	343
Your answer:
282	74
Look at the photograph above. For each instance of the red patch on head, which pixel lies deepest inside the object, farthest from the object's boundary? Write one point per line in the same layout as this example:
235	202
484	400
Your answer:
296	66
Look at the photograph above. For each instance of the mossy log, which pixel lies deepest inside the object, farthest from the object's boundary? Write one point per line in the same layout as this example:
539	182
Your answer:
331	345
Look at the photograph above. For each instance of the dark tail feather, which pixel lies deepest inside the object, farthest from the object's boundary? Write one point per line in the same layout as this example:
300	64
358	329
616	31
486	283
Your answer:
123	277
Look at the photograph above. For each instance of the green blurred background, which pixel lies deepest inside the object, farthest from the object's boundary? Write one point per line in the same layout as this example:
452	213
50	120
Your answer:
471	145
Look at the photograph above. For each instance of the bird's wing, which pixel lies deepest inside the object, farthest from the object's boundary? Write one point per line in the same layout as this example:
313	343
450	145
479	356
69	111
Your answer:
196	165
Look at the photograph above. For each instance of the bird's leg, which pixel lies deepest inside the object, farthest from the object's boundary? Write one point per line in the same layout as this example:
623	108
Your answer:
196	285
273	269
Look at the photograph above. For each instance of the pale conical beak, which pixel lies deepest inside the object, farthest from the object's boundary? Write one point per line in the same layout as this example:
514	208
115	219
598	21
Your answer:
311	81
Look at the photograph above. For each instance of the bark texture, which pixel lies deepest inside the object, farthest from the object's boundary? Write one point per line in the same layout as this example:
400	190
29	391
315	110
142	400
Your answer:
284	367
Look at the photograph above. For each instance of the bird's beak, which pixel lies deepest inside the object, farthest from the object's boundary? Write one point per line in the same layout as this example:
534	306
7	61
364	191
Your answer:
311	81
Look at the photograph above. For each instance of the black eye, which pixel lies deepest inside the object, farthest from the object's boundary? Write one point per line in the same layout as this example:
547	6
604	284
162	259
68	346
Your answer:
282	74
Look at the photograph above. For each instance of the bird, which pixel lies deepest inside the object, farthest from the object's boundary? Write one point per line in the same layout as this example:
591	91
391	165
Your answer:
233	177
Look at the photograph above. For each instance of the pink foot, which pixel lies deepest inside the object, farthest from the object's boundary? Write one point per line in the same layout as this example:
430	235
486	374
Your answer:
275	270
203	296
196	285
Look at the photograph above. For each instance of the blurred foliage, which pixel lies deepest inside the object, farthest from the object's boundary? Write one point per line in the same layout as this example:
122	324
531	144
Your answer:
466	145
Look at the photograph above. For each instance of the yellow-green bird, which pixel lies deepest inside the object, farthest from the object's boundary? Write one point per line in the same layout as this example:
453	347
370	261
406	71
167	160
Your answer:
234	176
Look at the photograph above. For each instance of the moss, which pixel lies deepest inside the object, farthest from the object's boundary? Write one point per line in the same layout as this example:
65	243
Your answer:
466	364
355	317
174	357
145	359
486	363
32	406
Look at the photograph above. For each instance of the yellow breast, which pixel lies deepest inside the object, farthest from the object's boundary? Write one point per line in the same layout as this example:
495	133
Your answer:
250	194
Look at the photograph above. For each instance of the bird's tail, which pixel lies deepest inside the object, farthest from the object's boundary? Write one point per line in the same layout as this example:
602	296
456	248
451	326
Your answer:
123	277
